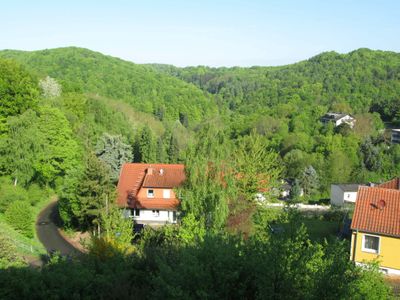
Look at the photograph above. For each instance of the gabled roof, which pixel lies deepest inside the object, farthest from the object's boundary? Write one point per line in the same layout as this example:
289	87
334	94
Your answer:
331	116
393	184
352	187
164	177
377	211
134	176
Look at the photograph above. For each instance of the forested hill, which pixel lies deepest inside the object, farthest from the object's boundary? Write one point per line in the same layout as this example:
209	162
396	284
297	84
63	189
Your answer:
366	80
82	70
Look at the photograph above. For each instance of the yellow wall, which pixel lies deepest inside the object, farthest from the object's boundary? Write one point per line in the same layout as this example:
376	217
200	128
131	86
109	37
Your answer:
389	251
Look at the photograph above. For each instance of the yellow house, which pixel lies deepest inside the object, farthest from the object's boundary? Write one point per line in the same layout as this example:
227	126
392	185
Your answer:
376	228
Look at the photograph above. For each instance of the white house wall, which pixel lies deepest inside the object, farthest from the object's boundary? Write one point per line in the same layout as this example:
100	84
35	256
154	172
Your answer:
147	216
336	195
350	197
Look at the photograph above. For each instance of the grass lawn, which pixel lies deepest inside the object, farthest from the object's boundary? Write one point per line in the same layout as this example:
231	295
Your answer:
319	229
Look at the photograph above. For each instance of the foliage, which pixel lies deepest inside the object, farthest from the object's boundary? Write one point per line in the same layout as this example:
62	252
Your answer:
82	70
117	230
50	87
19	215
111	150
258	169
10	193
219	266
295	192
85	194
309	181
145	146
8	254
207	188
18	90
39	145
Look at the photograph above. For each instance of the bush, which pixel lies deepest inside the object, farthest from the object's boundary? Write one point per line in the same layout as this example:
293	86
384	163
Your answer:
8	253
37	194
10	193
19	216
335	214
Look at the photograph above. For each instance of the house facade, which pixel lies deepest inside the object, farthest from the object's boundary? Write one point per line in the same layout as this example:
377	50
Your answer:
146	191
376	227
338	119
342	194
395	138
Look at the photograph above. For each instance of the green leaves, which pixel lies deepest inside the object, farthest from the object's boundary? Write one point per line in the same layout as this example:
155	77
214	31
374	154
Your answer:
18	89
39	145
19	215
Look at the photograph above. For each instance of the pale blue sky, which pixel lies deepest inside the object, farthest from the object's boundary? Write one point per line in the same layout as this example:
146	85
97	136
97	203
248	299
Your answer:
215	33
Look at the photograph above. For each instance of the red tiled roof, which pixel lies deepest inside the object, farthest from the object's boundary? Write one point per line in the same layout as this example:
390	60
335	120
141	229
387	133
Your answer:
164	177
392	184
156	203
134	175
377	210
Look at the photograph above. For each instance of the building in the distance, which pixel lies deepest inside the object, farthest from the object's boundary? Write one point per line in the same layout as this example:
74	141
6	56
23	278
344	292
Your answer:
342	194
395	136
338	119
146	191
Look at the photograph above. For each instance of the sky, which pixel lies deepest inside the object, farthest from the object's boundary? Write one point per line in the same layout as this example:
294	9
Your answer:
206	32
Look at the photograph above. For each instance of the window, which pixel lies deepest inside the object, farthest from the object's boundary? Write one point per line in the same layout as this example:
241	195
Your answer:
370	243
150	193
136	212
166	193
174	216
156	213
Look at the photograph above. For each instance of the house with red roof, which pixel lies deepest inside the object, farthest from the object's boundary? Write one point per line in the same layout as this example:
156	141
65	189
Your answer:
147	193
376	226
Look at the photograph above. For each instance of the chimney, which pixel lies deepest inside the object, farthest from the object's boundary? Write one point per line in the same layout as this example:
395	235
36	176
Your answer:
381	204
149	171
161	172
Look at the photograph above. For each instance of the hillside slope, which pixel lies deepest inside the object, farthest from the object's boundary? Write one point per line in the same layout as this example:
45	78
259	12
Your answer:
367	80
82	70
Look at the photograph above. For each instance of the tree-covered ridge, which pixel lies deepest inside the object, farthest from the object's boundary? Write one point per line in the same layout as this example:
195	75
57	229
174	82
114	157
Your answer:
367	80
82	70
285	105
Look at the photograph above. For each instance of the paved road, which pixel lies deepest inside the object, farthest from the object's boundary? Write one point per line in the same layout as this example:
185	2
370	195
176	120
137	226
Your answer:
48	233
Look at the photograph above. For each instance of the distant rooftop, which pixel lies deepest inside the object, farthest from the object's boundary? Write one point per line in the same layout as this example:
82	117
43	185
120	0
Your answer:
351	187
332	116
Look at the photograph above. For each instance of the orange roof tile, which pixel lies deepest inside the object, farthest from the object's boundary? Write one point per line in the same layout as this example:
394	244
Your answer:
392	184
164	177
377	210
134	175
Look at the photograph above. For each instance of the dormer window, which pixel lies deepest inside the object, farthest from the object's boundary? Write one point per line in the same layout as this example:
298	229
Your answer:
150	193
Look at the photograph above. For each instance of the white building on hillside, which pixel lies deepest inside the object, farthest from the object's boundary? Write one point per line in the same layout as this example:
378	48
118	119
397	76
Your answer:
343	193
338	119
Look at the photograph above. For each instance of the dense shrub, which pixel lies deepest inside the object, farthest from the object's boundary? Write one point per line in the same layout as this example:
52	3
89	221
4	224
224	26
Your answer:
10	193
19	215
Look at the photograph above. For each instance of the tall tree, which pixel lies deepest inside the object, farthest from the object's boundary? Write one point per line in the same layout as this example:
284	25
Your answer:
18	90
50	87
113	152
309	180
20	146
145	146
93	189
258	169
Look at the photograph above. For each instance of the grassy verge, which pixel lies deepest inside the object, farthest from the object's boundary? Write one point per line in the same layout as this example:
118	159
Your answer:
26	246
320	229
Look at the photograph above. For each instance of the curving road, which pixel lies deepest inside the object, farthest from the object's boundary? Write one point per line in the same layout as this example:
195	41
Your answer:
47	232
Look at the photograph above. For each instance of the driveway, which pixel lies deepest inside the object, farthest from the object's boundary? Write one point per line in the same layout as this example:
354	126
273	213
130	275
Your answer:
48	234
